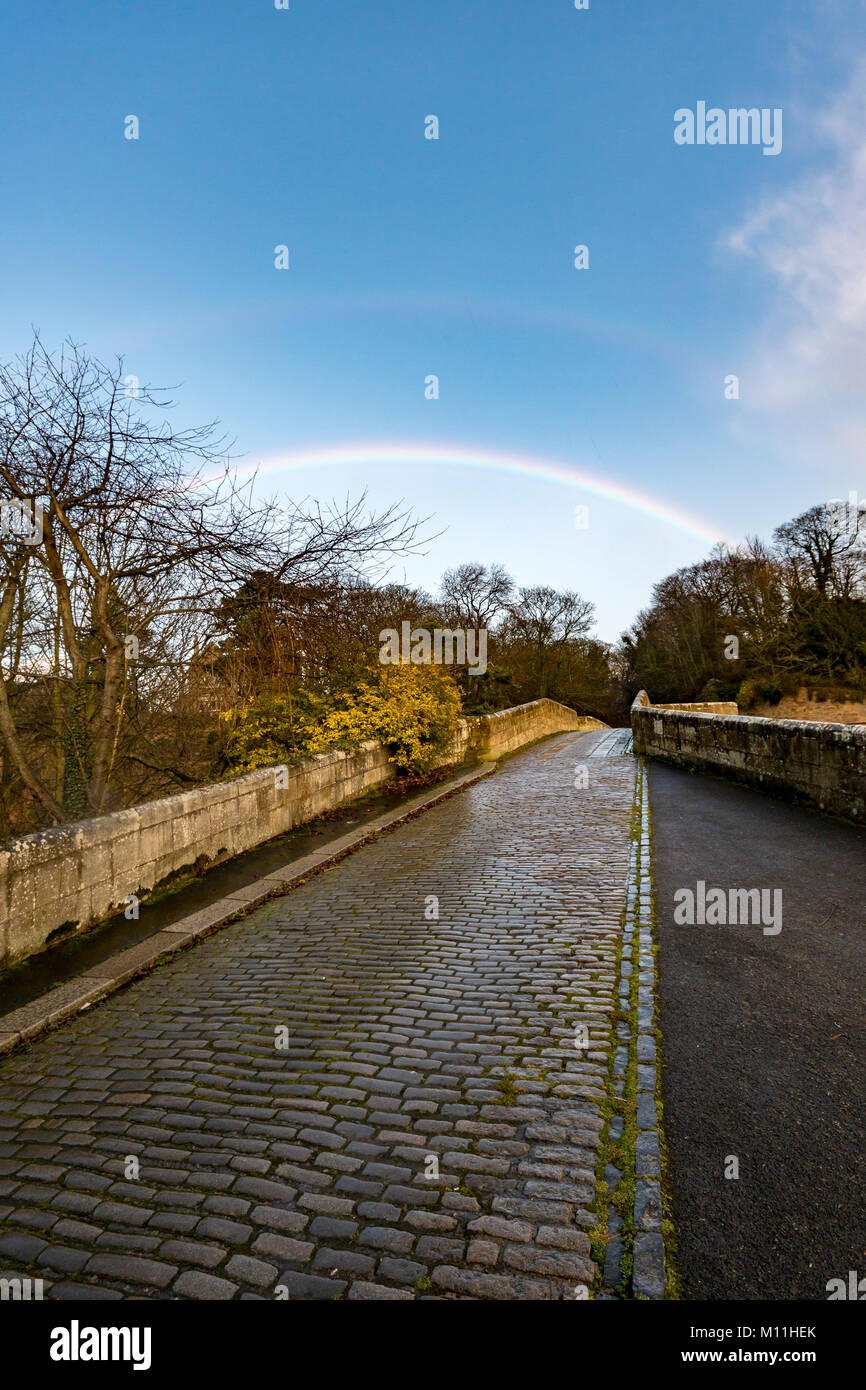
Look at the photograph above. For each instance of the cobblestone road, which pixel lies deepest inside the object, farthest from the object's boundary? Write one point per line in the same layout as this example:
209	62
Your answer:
416	1045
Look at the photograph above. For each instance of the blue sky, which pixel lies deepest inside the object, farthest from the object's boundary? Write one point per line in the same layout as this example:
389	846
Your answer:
305	127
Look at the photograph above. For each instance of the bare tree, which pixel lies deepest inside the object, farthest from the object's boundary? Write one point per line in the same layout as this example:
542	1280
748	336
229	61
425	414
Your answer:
544	623
145	531
475	595
824	554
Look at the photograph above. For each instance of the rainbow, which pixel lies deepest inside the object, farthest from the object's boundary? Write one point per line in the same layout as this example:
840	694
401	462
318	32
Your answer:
474	311
371	453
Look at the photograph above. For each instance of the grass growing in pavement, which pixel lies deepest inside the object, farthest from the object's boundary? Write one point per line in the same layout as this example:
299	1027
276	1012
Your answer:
619	1152
510	1093
673	1280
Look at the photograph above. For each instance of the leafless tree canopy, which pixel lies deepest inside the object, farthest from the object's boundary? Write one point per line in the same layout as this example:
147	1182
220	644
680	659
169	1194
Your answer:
825	549
476	595
145	534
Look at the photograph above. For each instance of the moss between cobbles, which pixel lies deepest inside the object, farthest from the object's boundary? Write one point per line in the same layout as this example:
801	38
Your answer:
673	1280
510	1094
621	1152
623	1199
598	1233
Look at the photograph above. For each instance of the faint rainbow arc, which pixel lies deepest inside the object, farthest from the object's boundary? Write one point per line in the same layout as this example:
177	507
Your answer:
469	456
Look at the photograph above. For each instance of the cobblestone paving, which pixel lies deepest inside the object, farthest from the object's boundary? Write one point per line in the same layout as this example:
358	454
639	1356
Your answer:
414	1046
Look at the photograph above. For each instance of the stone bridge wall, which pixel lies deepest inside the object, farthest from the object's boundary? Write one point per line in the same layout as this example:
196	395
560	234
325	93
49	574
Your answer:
498	734
58	881
821	764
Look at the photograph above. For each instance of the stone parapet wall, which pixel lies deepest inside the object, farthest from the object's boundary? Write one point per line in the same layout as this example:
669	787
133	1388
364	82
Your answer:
498	734
823	765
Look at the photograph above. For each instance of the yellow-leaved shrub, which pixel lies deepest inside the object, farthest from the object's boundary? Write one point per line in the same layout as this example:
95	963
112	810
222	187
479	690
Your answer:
412	710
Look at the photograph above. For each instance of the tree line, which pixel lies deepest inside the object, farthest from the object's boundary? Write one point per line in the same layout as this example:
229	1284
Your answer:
166	606
762	620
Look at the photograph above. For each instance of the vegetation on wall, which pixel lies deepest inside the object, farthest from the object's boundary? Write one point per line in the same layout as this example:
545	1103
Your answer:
412	710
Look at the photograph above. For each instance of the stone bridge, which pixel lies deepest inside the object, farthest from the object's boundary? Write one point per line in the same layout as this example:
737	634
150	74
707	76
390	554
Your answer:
476	1058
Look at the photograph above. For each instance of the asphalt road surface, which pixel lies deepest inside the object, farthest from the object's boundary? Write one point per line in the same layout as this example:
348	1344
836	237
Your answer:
763	1042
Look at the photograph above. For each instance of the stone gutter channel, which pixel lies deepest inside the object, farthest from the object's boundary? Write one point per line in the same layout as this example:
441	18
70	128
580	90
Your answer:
635	1263
24	1024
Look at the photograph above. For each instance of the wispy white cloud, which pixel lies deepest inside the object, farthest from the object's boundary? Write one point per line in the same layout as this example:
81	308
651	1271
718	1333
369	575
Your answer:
808	362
